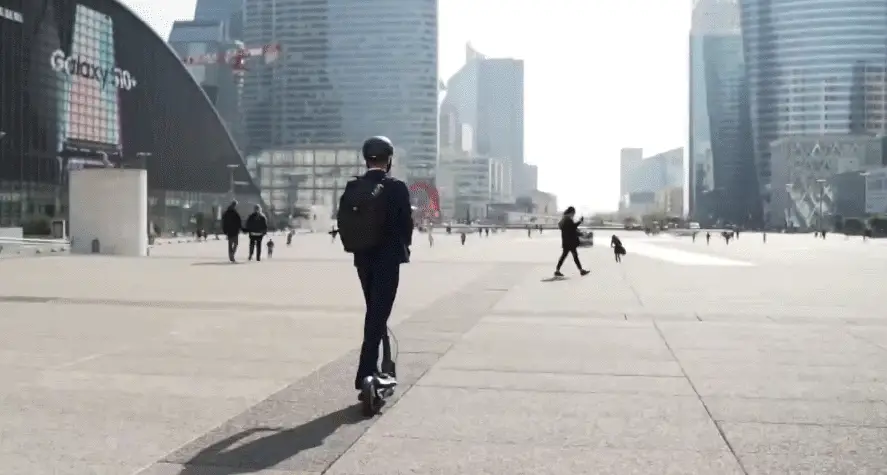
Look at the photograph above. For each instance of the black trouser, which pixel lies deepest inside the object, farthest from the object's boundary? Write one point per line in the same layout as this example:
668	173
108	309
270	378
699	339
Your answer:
379	282
560	262
255	244
232	246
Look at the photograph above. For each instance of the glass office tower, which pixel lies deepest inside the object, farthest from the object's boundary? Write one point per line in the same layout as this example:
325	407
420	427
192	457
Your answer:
815	68
349	69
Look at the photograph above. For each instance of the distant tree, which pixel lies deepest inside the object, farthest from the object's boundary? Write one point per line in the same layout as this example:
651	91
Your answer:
878	225
525	203
658	217
853	226
839	223
199	220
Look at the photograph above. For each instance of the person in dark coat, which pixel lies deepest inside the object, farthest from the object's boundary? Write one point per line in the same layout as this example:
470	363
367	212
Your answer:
257	227
379	268
569	241
232	226
618	248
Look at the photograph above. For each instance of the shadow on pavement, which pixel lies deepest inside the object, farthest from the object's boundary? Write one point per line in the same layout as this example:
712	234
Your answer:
268	451
214	263
554	279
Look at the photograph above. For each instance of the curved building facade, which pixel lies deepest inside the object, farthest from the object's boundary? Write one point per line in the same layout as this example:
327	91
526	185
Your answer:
815	67
86	82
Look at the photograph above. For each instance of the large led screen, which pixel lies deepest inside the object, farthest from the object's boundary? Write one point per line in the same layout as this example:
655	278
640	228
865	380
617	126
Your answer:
86	82
88	102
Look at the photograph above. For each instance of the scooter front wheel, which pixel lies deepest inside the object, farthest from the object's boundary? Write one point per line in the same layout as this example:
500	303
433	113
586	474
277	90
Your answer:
370	397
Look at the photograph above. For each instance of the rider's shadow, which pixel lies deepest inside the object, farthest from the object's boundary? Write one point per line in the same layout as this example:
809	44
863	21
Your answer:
229	457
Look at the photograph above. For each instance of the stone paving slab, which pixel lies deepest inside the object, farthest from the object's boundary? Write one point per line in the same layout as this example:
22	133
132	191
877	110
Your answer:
552	419
307	426
557	382
782	448
798	411
457	458
111	363
183	364
615	350
176	469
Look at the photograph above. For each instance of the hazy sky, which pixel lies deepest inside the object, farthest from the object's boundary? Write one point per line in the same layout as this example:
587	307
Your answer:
600	75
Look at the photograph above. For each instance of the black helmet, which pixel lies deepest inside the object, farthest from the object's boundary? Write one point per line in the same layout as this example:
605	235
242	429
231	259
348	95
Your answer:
377	148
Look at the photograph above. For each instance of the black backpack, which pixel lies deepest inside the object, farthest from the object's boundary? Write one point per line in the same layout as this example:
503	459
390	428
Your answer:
361	216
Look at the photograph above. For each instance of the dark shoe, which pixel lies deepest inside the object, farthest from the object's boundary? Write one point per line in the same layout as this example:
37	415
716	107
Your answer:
558	273
584	272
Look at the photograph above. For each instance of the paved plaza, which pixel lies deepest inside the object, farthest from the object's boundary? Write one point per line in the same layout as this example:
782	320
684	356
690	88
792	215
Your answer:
687	358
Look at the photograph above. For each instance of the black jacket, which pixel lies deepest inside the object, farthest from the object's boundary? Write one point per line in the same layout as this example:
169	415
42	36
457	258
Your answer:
256	224
398	236
232	225
570	233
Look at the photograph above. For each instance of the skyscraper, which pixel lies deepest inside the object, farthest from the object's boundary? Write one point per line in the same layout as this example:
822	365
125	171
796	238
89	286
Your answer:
487	96
228	12
722	183
629	160
217	24
349	69
813	71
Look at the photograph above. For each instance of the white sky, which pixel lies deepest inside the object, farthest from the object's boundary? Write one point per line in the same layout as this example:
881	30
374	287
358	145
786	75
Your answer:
600	75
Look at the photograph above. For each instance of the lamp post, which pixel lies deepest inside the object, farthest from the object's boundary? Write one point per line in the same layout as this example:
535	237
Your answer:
821	182
231	169
788	205
865	192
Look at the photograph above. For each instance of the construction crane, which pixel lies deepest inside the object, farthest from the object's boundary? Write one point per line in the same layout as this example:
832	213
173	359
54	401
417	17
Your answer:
236	57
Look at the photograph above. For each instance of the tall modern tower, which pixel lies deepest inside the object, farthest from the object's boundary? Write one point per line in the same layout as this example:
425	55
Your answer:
815	67
486	97
349	69
217	24
228	12
722	183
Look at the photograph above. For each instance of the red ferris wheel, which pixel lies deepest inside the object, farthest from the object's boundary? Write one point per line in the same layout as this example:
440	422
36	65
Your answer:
426	197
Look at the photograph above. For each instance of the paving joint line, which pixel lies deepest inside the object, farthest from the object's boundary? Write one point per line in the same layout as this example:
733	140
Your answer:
614	392
477	289
632	450
702	401
564	373
631	287
846	425
863	339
